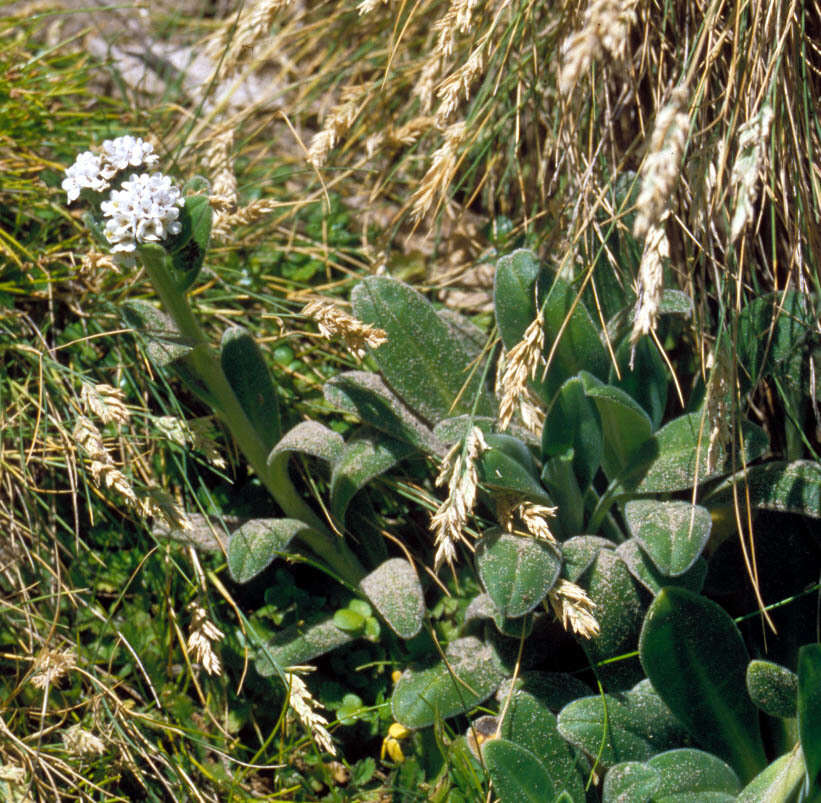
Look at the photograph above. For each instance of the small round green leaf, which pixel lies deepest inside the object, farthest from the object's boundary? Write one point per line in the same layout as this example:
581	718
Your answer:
395	592
630	782
424	696
773	688
516	571
517	775
688	774
673	534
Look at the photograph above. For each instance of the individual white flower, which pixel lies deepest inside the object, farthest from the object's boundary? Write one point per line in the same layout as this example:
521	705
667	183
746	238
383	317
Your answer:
144	210
124	152
86	172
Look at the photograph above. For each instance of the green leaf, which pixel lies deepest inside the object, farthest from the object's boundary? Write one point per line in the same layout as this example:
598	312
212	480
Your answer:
579	554
573	423
576	346
645	571
309	438
554	690
255	545
164	342
250	379
472	673
366	455
395	592
517	775
516	571
514	294
349	621
673	534
786	487
630	781
688	774
299	644
529	723
559	478
644	376
625	426
508	466
189	247
695	657
667	462
365	395
422	360
809	713
628	726
780	781
619	612
773	688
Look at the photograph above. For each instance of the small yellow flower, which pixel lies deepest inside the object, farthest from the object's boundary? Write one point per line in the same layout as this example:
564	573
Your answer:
391	743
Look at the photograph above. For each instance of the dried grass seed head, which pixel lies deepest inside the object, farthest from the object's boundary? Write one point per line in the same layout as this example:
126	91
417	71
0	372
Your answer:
660	169
335	322
521	363
574	609
304	706
752	149
202	635
650	281
51	666
105	402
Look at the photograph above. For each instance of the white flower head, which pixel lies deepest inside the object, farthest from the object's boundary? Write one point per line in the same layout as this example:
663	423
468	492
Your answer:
145	209
85	173
125	152
95	171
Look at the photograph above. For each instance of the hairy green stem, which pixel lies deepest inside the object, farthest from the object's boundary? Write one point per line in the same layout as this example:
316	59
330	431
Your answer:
330	548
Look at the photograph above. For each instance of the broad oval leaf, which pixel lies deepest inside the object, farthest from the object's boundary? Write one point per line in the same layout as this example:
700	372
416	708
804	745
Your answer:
786	487
573	423
580	552
780	781
395	592
188	248
572	338
424	696
809	711
695	657
625	426
630	782
618	611
688	774
250	379
517	775
531	724
299	644
366	395
630	726
514	294
366	455
255	545
773	688
310	438
516	571
508	466
673	534
422	360
644	376
645	571
667	461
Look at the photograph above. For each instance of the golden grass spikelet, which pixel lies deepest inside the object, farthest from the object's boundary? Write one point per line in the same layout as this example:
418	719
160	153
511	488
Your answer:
220	166
605	28
304	705
752	147
94	261
105	402
718	410
440	173
254	24
520	364
458	83
332	321
80	742
88	437
336	124
52	666
106	475
534	517
458	470
650	282
574	609
225	224
202	633
425	86
660	169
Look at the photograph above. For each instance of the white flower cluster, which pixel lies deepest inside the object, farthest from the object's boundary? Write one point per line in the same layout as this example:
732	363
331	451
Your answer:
144	210
94	172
